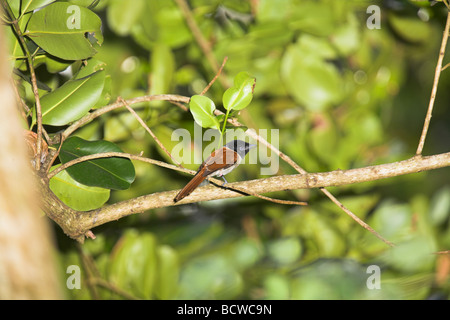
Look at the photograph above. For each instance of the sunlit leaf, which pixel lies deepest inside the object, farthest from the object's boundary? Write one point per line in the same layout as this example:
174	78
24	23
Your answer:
110	173
72	100
202	109
240	95
76	195
66	30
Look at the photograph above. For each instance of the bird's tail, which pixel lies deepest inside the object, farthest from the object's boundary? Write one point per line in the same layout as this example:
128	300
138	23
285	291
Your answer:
187	190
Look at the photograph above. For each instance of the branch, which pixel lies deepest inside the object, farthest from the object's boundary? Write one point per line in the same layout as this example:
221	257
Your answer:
93	115
144	125
215	77
200	39
78	223
161	164
300	170
435	85
111	155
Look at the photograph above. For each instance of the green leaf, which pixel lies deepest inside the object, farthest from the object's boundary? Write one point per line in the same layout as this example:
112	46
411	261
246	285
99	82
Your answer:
123	15
162	71
412	255
285	251
202	109
132	264
110	173
72	100
76	195
66	31
440	206
55	65
276	286
313	82
240	95
26	5
92	66
168	272
410	28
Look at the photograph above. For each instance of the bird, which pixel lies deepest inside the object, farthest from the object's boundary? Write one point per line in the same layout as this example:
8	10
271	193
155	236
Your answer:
218	164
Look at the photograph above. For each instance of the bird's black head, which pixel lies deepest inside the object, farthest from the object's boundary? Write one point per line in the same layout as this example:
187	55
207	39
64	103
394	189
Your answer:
241	147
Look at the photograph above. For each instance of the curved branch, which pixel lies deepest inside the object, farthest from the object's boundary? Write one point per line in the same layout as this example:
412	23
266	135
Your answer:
118	104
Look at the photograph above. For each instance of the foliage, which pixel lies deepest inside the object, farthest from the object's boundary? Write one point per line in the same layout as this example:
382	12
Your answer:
342	96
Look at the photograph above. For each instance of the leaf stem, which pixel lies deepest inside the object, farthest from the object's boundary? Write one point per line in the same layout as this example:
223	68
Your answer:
223	128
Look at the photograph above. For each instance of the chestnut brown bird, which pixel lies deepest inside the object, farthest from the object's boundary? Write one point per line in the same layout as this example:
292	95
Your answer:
218	164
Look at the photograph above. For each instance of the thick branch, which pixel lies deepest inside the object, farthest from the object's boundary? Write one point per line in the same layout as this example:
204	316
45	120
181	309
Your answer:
88	220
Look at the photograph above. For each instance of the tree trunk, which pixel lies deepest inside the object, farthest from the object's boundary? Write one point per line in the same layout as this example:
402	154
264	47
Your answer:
27	251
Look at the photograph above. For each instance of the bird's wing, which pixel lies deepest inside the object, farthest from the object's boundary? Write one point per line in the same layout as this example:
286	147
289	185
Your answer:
220	159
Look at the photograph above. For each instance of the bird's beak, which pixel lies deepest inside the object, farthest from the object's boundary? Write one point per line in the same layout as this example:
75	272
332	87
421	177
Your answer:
252	146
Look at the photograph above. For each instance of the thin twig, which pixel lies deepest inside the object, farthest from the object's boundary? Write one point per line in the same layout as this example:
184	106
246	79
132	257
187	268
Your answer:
111	287
90	269
355	217
435	85
61	141
215	77
180	105
161	164
143	124
34	86
97	113
200	39
252	133
118	155
279	201
276	183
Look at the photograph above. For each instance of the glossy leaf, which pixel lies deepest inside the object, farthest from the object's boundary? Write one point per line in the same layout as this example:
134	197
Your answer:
202	109
19	7
109	173
72	100
162	71
92	66
66	31
76	195
55	65
241	94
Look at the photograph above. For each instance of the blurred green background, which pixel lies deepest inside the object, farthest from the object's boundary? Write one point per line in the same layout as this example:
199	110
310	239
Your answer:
343	95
